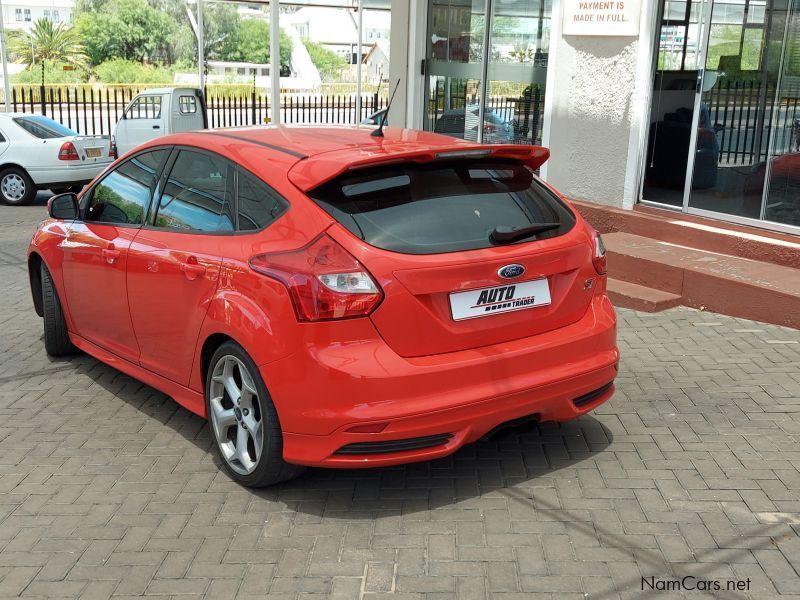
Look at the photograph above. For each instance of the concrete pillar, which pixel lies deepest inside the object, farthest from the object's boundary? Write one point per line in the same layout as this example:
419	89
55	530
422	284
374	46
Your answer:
598	102
398	61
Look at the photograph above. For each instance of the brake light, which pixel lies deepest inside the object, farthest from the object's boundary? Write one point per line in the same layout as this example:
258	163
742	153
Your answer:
112	148
324	280
489	128
599	258
68	152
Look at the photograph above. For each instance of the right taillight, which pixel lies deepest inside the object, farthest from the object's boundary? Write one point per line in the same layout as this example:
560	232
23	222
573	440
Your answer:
324	280
599	258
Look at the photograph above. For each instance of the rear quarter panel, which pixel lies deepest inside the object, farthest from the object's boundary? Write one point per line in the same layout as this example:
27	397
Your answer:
253	309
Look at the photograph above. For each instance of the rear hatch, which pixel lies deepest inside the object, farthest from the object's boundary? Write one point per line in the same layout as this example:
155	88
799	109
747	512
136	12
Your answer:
470	252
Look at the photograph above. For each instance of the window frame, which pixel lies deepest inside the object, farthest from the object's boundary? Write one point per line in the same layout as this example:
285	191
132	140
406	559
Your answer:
86	197
236	169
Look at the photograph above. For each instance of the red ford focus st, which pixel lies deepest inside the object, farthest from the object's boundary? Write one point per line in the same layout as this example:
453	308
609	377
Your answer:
330	298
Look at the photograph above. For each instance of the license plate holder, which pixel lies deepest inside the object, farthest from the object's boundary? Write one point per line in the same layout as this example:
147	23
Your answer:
499	299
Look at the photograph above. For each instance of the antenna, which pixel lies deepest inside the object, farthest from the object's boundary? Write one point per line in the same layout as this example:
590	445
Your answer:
379	131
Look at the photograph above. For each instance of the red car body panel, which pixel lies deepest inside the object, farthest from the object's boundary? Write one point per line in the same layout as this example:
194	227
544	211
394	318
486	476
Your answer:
149	305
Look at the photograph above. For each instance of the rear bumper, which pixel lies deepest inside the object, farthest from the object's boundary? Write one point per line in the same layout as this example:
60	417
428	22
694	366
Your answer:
67	174
463	395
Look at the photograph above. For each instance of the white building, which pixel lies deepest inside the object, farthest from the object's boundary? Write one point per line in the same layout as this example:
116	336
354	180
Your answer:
22	14
337	28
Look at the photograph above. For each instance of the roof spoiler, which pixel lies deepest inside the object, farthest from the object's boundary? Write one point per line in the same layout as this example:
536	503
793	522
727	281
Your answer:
316	170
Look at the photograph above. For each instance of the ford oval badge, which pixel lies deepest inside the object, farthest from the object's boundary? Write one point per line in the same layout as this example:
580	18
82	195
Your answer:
511	271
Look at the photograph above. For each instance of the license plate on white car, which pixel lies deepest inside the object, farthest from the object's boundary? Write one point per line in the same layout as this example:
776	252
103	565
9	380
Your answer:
499	299
94	152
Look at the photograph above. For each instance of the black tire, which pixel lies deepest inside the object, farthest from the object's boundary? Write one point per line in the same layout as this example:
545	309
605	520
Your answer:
16	186
270	468
56	338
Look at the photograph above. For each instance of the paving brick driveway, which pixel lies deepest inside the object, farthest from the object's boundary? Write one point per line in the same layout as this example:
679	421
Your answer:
108	488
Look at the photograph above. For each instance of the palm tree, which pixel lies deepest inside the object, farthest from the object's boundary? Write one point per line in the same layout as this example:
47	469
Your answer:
48	41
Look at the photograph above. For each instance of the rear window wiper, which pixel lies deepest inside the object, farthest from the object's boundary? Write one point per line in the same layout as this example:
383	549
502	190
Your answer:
505	235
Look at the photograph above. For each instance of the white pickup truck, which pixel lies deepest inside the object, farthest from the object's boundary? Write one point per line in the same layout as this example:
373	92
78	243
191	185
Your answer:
157	112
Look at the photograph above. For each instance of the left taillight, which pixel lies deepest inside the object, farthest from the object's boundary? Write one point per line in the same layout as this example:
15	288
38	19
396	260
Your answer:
599	258
324	280
112	148
68	152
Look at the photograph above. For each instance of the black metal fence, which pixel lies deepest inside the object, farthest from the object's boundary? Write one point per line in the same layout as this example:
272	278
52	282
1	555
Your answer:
747	119
91	111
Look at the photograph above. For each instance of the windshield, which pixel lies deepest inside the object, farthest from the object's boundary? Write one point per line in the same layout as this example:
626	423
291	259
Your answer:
43	128
441	207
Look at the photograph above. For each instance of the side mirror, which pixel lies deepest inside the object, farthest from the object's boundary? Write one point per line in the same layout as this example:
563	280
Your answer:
63	207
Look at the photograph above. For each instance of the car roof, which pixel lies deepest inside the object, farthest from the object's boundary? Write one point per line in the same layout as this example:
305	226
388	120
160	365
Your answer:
11	115
311	155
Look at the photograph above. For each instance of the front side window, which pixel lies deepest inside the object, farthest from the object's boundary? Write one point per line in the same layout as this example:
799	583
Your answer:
197	195
258	204
446	206
123	195
145	107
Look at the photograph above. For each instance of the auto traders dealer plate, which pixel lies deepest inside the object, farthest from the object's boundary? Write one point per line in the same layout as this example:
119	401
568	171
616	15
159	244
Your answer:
499	299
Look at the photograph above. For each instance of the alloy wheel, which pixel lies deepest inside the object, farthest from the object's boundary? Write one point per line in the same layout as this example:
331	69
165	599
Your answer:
13	187
236	415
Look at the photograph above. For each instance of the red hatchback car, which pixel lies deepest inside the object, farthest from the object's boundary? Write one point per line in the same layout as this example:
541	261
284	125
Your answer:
331	298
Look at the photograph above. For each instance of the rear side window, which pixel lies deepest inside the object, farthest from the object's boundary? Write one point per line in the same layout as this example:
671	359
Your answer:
43	128
258	204
187	105
441	207
197	195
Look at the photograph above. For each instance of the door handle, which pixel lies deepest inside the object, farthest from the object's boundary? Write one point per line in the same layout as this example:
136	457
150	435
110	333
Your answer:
192	269
110	254
156	126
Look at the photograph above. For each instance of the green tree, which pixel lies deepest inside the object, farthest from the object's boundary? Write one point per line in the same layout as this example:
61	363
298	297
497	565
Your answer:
328	63
129	29
48	42
252	44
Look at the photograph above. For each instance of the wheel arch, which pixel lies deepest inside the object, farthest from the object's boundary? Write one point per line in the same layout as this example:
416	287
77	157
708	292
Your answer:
210	345
35	263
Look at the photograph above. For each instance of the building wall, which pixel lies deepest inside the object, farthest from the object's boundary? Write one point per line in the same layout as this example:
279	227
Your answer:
592	114
598	94
38	9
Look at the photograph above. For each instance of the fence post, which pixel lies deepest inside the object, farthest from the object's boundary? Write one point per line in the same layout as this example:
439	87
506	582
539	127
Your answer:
253	107
41	93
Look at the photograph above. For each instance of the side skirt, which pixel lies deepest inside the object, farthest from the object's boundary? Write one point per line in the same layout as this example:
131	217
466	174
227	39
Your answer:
189	399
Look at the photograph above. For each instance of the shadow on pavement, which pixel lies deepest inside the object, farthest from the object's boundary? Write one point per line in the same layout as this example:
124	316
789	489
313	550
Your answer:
510	458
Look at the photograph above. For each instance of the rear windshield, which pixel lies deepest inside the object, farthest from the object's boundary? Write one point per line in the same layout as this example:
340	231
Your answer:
439	207
43	128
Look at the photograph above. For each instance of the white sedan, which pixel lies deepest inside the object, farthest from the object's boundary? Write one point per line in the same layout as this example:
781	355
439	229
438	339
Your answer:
39	153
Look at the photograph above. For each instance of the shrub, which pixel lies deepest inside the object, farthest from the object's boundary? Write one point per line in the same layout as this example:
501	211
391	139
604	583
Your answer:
119	70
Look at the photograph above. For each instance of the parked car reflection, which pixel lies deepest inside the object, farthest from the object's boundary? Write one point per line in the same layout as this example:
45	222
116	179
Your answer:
463	123
783	196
